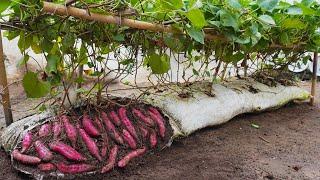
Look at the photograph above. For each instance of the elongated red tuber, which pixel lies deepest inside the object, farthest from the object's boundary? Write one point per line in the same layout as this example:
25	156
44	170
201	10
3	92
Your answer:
74	168
111	129
142	117
25	159
115	118
71	131
56	129
89	127
66	151
111	161
160	123
127	123
44	130
133	154
129	139
46	167
43	152
153	139
91	145
26	142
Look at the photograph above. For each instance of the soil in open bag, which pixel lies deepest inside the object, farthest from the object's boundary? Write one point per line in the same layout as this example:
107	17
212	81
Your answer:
76	120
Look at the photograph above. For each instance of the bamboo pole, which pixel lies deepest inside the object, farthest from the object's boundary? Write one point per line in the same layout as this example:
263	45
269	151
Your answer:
314	78
4	87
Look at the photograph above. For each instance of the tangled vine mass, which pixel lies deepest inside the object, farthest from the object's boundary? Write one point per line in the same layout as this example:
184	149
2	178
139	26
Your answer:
268	34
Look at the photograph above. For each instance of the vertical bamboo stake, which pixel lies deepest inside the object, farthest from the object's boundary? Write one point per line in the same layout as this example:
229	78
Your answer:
4	87
314	78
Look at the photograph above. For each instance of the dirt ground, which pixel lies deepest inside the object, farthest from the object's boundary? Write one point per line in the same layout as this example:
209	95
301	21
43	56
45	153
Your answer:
286	146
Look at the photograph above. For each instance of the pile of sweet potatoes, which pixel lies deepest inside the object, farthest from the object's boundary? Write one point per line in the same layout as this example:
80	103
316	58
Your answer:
98	141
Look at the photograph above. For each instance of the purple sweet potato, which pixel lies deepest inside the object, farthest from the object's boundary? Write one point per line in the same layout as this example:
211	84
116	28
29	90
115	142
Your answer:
56	129
67	151
74	168
127	123
159	121
144	132
46	167
25	159
71	131
153	139
26	142
115	118
129	139
43	152
91	145
98	124
89	127
105	145
44	130
111	161
111	129
133	154
142	117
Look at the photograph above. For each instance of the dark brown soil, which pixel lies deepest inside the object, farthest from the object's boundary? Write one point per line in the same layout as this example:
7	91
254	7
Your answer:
286	146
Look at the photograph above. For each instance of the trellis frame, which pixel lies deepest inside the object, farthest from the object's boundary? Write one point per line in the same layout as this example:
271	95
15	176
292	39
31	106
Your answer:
109	19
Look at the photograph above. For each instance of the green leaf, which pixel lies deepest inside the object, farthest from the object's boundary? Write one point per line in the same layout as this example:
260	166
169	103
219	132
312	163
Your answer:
293	24
52	63
234	4
267	5
170	4
228	19
118	37
195	72
34	87
197	35
284	38
197	18
159	64
4	4
35	45
267	19
24	41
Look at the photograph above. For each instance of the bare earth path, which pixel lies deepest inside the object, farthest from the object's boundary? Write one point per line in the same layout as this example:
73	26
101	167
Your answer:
286	146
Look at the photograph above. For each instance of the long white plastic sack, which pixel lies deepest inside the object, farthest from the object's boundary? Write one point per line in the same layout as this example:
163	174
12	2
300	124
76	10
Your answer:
186	115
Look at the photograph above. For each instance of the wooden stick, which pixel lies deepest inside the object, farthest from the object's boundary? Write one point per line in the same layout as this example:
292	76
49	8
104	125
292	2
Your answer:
314	79
62	10
4	87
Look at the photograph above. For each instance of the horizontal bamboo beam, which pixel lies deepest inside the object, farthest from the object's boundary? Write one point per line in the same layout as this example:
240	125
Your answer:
63	10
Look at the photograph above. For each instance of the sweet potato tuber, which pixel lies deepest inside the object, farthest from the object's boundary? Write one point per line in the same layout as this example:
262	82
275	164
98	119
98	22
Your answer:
56	129
44	130
98	124
71	131
142	117
26	142
105	145
91	145
133	154
144	132
127	123
159	121
43	152
111	129
129	139
153	139
25	159
111	161
66	151
89	127
46	167
74	168
115	118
